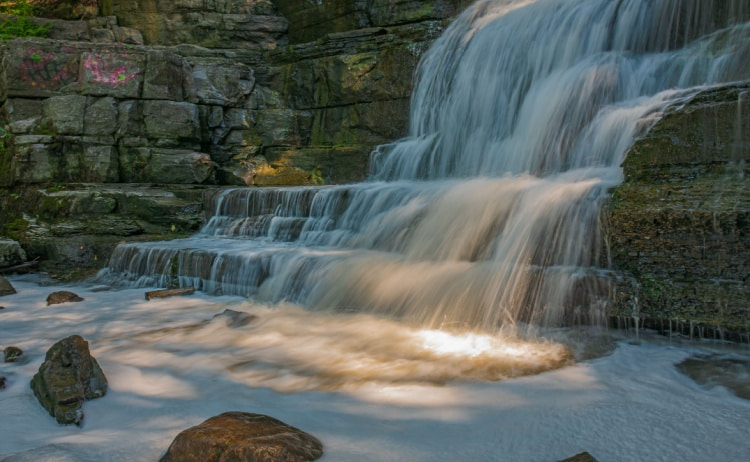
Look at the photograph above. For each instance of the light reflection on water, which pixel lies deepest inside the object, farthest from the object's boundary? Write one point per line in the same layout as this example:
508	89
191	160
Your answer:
291	349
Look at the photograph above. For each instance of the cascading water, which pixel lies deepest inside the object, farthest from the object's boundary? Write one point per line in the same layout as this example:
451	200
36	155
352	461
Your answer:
487	214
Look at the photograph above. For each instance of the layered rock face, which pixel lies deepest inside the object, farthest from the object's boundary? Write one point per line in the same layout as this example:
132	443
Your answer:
679	226
194	93
93	105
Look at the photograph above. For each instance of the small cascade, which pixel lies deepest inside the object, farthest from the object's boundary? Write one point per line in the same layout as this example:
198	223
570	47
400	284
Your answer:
487	214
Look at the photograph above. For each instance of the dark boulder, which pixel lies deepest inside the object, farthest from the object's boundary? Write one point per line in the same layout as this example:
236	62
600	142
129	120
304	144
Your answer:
5	287
62	296
68	376
12	354
240	436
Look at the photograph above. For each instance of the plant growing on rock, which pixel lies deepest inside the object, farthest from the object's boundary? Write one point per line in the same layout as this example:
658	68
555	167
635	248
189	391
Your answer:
20	24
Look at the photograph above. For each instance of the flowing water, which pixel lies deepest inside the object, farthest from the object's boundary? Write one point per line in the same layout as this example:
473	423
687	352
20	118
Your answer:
487	215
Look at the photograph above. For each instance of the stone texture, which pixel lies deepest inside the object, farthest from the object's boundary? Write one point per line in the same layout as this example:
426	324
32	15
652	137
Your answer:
222	99
100	117
6	288
243	437
171	120
12	354
309	21
67	9
679	225
11	253
68	376
62	296
226	24
63	115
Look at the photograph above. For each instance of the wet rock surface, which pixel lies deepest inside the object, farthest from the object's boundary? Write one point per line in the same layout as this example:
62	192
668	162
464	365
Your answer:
216	96
6	288
12	354
62	296
243	436
732	372
68	376
679	225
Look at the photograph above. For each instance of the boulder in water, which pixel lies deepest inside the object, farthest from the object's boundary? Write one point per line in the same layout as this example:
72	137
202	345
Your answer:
5	287
68	376
243	436
2	382
62	296
12	354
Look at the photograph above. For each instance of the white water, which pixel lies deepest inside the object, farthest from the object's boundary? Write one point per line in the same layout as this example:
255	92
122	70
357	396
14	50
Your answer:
484	219
369	389
487	215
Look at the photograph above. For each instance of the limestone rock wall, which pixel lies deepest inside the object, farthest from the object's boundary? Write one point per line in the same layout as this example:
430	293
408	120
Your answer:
191	92
241	24
94	104
679	226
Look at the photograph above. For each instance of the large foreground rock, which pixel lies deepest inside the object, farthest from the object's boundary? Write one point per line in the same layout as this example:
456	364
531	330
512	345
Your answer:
240	436
68	376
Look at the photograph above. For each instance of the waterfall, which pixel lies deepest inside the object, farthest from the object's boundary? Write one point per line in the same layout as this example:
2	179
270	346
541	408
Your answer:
487	214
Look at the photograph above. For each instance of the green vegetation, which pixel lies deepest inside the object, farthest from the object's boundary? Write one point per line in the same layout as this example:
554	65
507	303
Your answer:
20	24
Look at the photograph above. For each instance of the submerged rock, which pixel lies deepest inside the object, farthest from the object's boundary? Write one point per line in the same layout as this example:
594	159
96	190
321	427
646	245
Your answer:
728	371
236	318
243	436
62	296
48	453
68	376
582	457
2	382
12	354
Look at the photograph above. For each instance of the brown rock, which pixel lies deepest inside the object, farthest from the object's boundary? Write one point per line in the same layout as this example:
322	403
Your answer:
6	288
240	436
164	293
62	296
12	354
68	376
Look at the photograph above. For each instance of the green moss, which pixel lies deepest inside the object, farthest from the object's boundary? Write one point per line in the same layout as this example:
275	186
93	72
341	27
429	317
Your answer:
15	229
6	164
20	24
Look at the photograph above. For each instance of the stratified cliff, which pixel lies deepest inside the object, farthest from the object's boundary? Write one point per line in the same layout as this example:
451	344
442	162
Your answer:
244	92
679	226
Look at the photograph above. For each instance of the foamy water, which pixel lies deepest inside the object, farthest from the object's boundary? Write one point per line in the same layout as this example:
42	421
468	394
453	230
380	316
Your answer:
370	389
